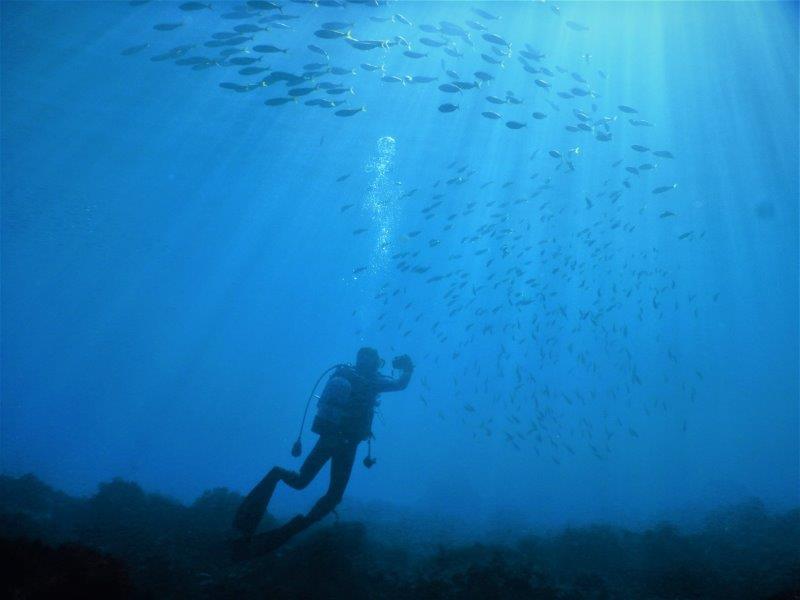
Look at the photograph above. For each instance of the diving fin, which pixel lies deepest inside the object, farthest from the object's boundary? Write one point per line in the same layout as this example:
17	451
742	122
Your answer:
267	542
241	549
253	507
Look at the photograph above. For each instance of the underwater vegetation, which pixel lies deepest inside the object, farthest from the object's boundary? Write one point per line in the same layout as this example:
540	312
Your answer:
125	542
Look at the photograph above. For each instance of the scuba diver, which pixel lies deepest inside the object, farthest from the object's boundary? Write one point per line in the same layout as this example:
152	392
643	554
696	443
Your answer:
344	420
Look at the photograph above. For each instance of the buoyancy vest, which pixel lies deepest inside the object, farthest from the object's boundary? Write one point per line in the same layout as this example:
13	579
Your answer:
346	406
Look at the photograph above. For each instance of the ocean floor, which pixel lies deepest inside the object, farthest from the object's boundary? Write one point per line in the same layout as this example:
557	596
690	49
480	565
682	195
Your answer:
125	542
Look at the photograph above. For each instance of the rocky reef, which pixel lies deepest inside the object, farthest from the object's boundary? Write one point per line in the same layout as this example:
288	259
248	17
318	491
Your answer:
125	542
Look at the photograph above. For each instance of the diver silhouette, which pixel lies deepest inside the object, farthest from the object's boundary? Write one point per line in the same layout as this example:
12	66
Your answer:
344	420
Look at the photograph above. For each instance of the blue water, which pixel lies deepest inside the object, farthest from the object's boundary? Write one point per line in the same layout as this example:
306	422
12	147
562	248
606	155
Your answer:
177	268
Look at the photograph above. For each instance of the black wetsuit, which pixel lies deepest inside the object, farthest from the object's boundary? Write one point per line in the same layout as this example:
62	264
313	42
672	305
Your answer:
337	443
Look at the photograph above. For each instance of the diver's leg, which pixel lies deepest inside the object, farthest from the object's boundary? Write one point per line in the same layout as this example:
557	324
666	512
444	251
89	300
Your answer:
252	509
342	459
312	465
341	466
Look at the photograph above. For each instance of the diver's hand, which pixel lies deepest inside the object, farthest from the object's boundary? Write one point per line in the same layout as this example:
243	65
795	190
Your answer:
403	362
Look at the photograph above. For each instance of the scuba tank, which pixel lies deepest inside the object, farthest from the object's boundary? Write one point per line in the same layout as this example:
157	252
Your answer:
297	447
332	405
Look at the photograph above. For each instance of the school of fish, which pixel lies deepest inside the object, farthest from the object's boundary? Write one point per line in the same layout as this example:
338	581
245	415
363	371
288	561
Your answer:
550	294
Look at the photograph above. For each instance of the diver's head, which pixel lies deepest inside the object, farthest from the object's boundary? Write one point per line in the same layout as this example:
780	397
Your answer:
368	361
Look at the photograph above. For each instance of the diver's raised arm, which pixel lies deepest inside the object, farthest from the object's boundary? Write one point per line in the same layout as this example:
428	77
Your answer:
406	367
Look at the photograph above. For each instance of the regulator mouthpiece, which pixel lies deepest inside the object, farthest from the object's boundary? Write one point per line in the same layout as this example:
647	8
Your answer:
297	448
369	461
